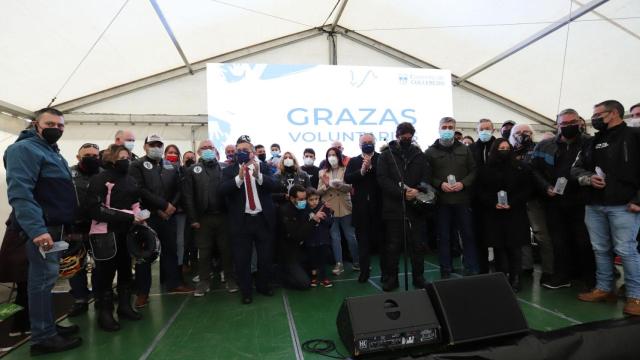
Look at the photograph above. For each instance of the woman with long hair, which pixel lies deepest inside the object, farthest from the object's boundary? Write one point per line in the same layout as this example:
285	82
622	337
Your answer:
337	195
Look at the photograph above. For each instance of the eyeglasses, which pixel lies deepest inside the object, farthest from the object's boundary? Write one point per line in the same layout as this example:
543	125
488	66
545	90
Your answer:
89	145
597	115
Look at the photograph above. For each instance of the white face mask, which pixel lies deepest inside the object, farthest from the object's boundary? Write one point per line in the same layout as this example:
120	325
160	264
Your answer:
288	162
635	122
308	161
333	160
155	153
129	145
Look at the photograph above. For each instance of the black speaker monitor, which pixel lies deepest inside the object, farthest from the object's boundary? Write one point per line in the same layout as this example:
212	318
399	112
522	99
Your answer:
477	308
388	321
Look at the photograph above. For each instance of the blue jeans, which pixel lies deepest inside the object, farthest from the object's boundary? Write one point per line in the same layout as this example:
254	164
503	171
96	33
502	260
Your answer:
43	273
459	214
344	222
613	228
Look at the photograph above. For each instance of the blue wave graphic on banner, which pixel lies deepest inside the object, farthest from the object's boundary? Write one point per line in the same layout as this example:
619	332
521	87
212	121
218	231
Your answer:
276	71
219	131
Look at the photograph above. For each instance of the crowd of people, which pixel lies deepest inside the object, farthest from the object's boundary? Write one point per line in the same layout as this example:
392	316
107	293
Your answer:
255	221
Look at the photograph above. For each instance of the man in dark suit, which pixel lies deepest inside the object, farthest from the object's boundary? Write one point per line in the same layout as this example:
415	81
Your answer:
367	213
247	185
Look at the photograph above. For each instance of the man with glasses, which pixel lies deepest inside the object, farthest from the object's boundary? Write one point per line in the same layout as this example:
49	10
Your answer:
609	169
88	165
564	204
41	193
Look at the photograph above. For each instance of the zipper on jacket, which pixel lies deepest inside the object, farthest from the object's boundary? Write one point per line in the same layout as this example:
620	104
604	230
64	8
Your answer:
626	152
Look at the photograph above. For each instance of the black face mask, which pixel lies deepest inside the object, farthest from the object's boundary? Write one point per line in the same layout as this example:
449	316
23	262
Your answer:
189	162
599	124
51	135
405	143
570	132
262	157
503	155
506	133
122	166
89	164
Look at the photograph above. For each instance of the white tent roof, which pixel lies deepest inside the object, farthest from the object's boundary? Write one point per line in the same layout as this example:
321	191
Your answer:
68	49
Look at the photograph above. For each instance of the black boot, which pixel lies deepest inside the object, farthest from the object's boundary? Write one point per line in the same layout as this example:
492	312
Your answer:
106	321
390	283
124	305
514	281
55	344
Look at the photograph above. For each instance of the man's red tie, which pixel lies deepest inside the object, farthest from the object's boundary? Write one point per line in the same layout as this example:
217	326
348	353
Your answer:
247	183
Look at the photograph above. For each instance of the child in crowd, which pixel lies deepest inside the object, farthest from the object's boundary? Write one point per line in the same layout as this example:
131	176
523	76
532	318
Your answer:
318	245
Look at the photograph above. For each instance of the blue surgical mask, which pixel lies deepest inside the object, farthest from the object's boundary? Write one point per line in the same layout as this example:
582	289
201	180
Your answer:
368	148
301	204
242	156
484	135
275	154
208	155
446	134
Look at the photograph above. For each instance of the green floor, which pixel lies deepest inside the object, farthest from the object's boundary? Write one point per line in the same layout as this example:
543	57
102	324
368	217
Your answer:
219	327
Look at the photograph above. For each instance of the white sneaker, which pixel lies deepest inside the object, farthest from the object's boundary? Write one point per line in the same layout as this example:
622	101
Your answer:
338	269
201	290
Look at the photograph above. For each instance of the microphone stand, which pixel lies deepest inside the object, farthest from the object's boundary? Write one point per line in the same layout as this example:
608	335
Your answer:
405	219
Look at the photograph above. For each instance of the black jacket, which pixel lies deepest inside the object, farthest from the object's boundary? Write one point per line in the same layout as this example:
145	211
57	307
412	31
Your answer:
287	179
412	169
201	190
124	194
617	152
480	151
81	183
366	197
236	198
158	182
548	165
312	171
297	229
504	225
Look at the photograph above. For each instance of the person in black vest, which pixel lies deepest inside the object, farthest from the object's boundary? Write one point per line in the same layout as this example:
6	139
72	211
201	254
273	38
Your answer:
552	160
403	162
248	184
309	157
480	150
506	223
158	182
88	166
367	205
110	194
206	215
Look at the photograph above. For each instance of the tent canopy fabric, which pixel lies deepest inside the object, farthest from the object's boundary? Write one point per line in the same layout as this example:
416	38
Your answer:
68	49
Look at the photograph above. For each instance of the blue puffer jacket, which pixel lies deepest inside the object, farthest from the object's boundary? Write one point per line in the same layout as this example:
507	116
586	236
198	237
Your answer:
39	185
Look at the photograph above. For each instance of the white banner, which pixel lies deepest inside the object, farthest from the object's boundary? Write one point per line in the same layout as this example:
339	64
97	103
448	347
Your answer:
301	106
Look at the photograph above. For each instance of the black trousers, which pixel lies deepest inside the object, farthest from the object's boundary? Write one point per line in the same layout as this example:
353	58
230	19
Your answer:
105	271
572	251
295	277
369	232
254	231
318	257
508	258
213	234
170	272
394	247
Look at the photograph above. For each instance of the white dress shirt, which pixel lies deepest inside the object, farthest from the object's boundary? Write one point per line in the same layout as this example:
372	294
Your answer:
254	186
